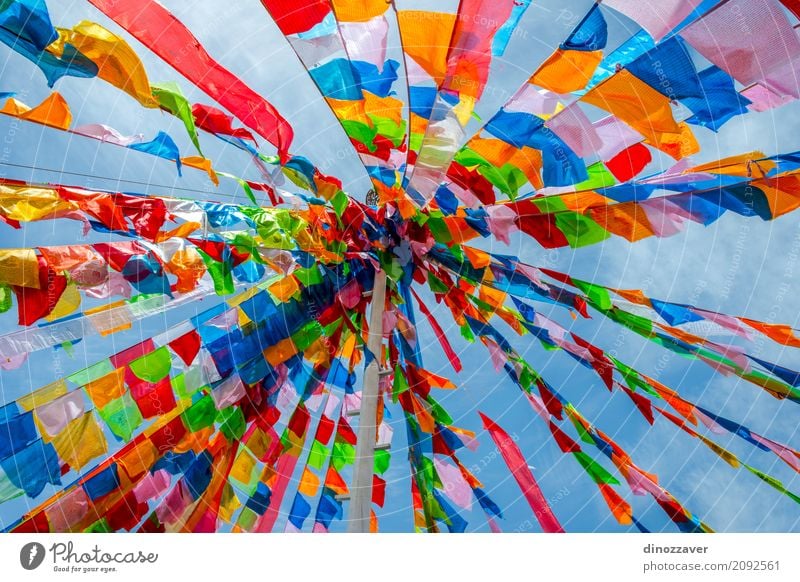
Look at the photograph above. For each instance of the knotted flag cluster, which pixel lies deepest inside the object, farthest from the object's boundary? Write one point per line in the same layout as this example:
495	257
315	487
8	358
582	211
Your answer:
244	414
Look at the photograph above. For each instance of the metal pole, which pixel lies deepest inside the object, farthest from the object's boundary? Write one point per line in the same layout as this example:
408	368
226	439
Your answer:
361	488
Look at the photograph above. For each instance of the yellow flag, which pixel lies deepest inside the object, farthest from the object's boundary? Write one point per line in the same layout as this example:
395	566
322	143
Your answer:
283	289
228	504
566	71
201	163
139	459
280	352
29	204
80	442
243	466
117	62
741	165
43	395
19	267
106	388
678	145
388	107
349	110
426	39
782	192
359	10
52	112
309	483
636	103
68	303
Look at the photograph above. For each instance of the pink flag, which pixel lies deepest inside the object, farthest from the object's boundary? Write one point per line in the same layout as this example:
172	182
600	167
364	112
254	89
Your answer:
286	396
641	484
497	354
530	272
68	510
678	174
172	507
228	393
763	99
366	41
54	416
519	468
350	294
389	322
788	455
665	217
726	321
207	523
316	50
13	362
557	333
615	136
657	18
107	134
226	320
152	485
493	524
455	486
529	99
574	128
331	406
747	40
416	74
114	285
709	422
468	440
352	402
502	221
783	80
465	196
733	353
538	406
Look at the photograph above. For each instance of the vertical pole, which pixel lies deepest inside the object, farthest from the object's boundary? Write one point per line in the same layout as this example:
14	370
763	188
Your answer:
361	488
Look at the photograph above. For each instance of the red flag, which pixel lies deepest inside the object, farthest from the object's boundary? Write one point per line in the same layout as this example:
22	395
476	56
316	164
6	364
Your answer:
324	429
156	28
294	17
378	491
793	6
642	403
523	476
213	120
186	346
552	403
618	506
448	349
299	421
628	163
344	433
565	443
37	303
118	254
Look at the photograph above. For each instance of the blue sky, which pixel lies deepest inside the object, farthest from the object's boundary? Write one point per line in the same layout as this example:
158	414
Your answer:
738	266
